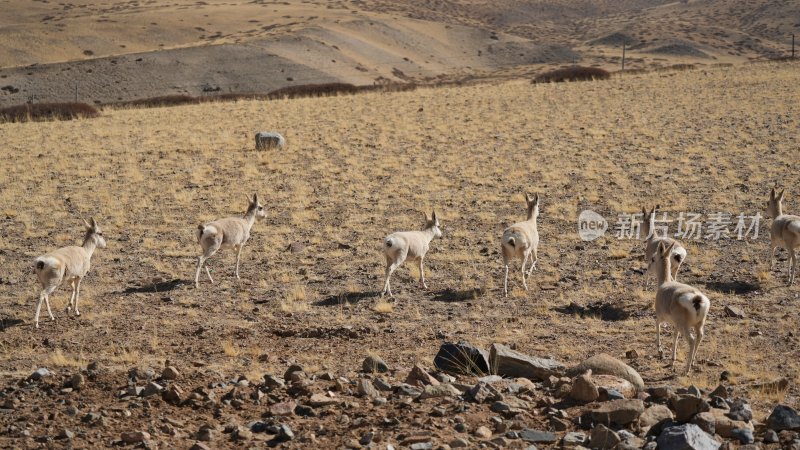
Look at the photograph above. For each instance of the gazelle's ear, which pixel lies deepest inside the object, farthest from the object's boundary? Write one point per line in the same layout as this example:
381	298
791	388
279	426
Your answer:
772	194
527	199
653	211
536	198
644	211
86	224
255	199
668	250
780	197
660	249
94	224
433	217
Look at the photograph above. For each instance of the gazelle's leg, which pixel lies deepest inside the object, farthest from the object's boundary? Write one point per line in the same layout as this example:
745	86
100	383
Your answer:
77	295
238	254
422	274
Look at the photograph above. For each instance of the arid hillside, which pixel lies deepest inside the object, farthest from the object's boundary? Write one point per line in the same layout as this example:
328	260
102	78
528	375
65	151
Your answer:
111	52
355	169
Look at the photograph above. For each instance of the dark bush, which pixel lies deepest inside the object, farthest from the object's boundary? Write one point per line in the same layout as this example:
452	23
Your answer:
165	100
47	111
574	73
314	90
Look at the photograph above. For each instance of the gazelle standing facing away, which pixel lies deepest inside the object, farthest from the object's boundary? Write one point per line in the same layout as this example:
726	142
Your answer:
652	240
226	233
71	263
785	232
409	244
521	240
684	306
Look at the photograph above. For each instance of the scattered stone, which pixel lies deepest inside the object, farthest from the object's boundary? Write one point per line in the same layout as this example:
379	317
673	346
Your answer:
374	364
661	393
459	443
573	439
421	446
615	387
559	424
603	364
744	435
632	354
536	436
483	432
621	412
783	418
287	376
320	400
510	363
724	425
687	436
133	437
719	391
442	390
170	373
603	437
77	381
65	434
285	433
407	390
686	406
365	388
283	408
584	389
740	410
39	374
274	382
151	389
771	437
706	421
653	415
199	446
367	438
420	377
173	395
295	247
733	311
462	359
483	392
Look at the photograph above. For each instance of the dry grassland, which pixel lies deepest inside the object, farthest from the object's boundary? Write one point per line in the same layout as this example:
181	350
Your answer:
357	168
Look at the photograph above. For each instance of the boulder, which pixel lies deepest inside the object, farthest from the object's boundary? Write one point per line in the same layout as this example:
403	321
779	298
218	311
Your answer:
603	364
603	437
620	412
611	383
510	363
462	359
783	418
653	415
583	388
686	406
374	364
420	377
686	437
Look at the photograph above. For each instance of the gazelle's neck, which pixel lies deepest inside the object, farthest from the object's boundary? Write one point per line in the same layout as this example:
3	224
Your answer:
663	273
89	244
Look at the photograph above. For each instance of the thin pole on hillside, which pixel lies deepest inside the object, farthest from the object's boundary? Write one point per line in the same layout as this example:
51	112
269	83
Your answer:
792	45
623	56
76	92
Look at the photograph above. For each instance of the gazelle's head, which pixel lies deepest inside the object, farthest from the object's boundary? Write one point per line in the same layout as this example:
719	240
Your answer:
774	206
94	233
647	220
660	259
533	205
432	223
256	208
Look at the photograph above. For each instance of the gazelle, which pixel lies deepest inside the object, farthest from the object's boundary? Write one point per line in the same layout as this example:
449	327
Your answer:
652	240
784	232
397	247
521	240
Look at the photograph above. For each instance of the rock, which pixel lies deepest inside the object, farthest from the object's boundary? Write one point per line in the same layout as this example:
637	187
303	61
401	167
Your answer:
199	446
733	311
367	438
686	406
724	426
558	424
319	400
287	376
603	364
603	437
442	390
374	364
661	393
283	409
621	412
744	435
295	247
273	382
632	354
285	433
483	392
421	446
173	395
771	437
170	373
77	381
719	391
133	437
653	415
65	434
510	363
740	410
483	432
583	388
783	418
39	374
365	388
462	359
687	436
536	436
614	386
420	377
459	443
706	421
407	390
151	389
573	439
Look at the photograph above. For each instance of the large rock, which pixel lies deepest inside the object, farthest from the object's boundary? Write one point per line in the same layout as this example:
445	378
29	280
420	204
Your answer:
686	437
686	406
783	418
374	364
613	383
602	437
462	359
621	412
510	363
584	389
603	364
537	437
654	415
